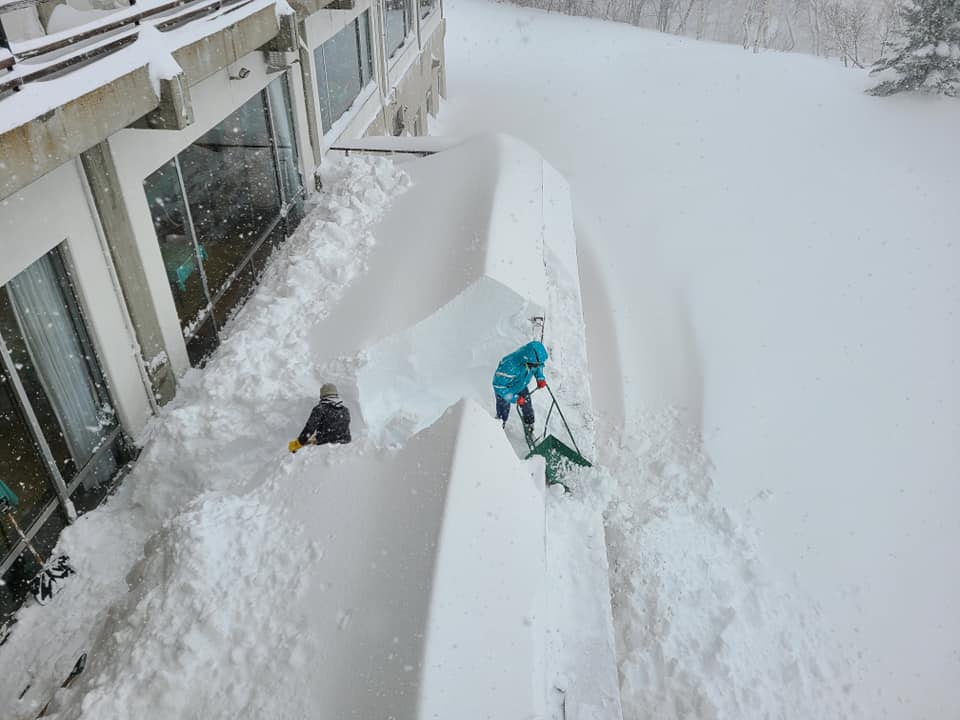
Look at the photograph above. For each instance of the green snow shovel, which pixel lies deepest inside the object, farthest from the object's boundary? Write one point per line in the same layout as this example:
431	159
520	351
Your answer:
558	455
46	583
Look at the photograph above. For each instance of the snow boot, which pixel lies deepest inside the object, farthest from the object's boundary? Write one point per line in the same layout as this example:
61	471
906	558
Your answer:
528	434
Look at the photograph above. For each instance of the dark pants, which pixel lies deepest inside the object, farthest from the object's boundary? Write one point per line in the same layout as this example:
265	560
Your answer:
526	410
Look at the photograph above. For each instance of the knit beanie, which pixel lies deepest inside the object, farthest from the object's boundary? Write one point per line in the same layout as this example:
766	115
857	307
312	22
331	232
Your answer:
328	390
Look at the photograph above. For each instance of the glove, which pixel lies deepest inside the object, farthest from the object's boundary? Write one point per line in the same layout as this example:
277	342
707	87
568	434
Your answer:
521	400
294	446
541	384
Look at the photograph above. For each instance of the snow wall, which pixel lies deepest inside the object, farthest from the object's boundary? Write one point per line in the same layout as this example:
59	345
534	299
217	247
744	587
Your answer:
426	595
402	579
466	276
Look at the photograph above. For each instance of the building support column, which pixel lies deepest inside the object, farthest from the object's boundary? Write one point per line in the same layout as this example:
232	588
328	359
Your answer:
104	182
310	100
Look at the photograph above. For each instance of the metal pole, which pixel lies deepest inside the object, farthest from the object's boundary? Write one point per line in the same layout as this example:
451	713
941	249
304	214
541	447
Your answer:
196	246
564	421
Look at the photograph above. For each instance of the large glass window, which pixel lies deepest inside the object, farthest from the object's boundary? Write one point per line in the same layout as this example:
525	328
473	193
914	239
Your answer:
217	204
22	467
399	23
231	184
287	156
52	362
175	236
344	67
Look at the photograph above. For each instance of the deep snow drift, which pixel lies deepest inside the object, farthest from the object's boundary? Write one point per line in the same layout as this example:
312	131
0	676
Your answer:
404	575
773	253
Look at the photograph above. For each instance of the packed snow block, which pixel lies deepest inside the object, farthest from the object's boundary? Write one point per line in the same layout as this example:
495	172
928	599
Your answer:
426	593
472	212
483	656
408	379
456	273
559	233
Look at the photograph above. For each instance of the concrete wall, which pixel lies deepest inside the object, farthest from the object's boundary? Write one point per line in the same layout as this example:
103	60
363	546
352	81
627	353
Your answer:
29	229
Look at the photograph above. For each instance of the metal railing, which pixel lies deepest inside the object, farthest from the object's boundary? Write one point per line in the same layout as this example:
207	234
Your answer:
108	35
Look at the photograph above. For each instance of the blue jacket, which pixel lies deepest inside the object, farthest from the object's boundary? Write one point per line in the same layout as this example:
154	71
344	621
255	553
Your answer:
514	371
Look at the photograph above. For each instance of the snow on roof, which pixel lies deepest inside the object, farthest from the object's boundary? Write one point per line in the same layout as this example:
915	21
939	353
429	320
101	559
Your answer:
153	49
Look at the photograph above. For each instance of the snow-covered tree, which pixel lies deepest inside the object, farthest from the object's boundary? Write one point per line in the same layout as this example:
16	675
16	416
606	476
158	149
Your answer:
928	56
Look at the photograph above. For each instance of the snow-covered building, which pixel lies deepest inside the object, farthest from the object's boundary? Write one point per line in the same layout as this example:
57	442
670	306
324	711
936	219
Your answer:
151	158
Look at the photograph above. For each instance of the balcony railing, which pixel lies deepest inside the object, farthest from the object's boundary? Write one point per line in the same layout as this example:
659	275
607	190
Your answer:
51	55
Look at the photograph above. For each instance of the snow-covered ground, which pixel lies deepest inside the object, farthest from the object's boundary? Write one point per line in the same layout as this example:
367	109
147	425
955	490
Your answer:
770	272
406	575
769	290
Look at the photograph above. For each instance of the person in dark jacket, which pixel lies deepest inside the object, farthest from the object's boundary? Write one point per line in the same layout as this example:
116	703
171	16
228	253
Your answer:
328	423
511	379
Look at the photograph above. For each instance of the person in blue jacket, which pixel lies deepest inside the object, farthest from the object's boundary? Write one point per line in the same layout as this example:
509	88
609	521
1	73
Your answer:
511	379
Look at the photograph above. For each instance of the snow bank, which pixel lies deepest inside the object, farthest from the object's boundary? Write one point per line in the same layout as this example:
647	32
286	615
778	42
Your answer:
403	575
350	583
704	629
224	433
459	280
201	636
774	252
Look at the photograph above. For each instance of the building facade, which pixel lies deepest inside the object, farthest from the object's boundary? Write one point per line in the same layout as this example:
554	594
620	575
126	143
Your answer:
151	159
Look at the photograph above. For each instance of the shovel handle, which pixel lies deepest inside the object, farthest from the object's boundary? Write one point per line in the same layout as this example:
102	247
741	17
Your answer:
23	537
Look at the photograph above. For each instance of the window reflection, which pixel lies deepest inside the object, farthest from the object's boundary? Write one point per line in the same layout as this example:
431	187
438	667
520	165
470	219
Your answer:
344	67
232	190
217	204
22	467
398	22
169	213
51	354
287	156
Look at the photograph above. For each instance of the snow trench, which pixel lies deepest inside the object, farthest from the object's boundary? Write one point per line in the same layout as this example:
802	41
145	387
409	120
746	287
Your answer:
400	576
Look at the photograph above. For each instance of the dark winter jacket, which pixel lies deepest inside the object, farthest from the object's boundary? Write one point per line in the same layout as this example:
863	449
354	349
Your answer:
328	423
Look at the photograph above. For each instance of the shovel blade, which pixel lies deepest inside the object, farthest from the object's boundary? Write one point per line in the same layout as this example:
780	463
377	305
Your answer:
559	457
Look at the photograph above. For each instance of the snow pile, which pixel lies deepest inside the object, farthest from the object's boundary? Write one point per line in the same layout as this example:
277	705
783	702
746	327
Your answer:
427	600
228	578
225	431
195	639
703	629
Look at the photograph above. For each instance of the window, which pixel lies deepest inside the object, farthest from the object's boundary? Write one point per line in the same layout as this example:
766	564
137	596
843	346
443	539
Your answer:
398	21
53	397
344	67
288	156
427	7
218	204
231	185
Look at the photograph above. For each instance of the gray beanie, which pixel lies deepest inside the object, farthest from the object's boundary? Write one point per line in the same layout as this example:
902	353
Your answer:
328	390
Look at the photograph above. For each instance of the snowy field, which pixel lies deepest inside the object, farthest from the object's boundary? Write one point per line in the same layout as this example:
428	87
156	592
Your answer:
769	295
770	262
